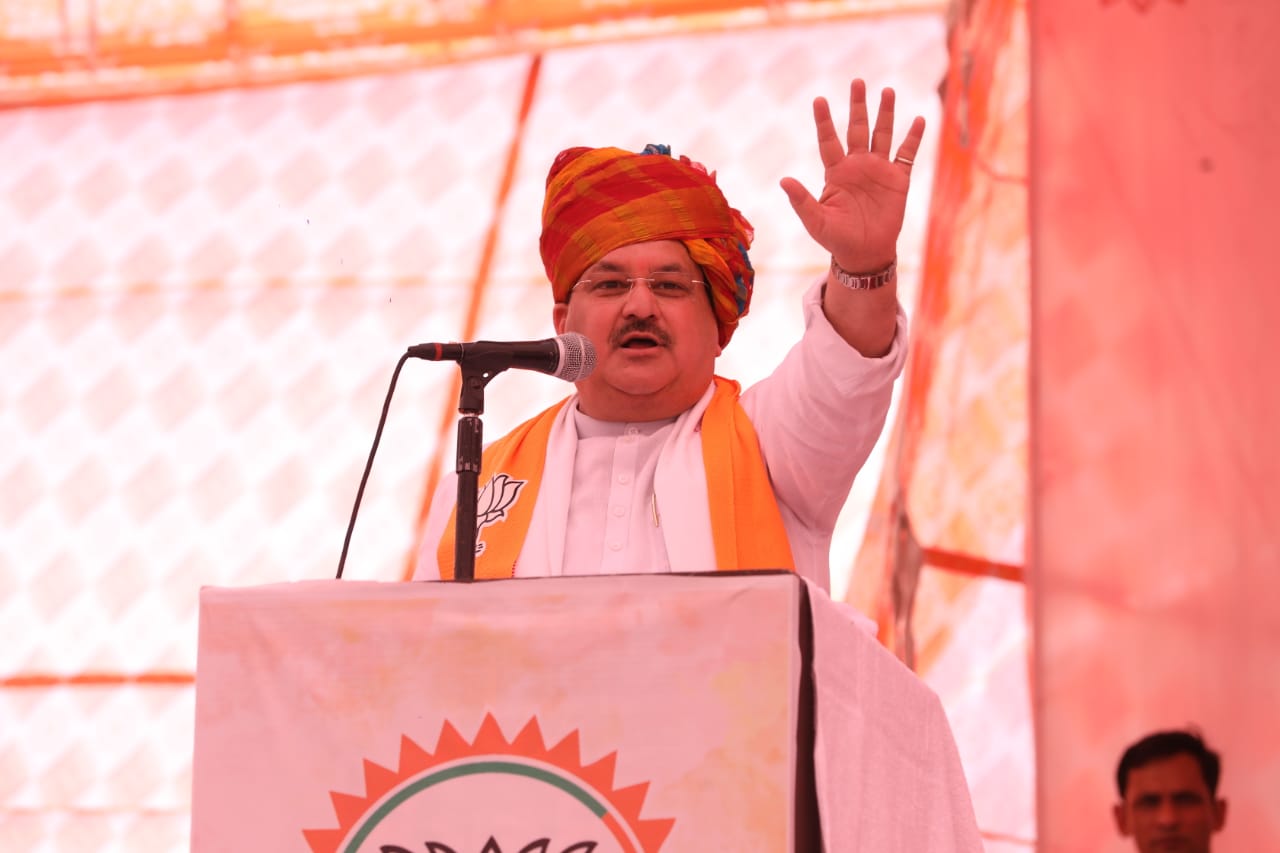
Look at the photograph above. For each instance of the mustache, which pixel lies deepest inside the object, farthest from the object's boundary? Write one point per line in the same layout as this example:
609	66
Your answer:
640	326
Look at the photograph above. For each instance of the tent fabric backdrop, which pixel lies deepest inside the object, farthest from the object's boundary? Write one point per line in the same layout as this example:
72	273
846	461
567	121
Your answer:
1155	408
203	299
55	51
941	567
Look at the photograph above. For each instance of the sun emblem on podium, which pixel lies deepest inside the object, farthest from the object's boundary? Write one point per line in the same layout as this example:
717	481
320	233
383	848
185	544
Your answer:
491	795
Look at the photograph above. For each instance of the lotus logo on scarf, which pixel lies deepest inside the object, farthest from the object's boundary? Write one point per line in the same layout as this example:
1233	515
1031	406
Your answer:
494	501
492	795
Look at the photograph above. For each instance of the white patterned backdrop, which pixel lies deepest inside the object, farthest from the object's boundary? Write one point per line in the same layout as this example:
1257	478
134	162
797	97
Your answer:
202	298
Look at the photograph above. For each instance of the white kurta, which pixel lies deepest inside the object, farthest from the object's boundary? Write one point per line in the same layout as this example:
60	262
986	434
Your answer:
620	498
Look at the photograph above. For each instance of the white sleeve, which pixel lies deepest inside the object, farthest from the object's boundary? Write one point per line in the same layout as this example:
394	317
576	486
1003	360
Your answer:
819	414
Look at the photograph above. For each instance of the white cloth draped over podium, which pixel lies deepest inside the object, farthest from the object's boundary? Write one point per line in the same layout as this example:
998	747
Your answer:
652	712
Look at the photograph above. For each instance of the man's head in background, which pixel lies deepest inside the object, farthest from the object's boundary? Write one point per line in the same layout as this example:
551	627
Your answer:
1168	786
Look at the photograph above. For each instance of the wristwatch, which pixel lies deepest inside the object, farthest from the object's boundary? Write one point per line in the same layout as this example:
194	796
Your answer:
870	281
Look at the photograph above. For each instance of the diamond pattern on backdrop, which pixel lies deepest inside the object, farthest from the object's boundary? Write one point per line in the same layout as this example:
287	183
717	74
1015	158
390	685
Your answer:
56	51
192	378
55	832
973	635
960	445
85	750
313	182
204	300
174	456
187	346
741	105
968	493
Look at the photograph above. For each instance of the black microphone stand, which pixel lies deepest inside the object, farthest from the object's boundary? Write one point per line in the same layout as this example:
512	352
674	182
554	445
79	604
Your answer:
475	376
480	362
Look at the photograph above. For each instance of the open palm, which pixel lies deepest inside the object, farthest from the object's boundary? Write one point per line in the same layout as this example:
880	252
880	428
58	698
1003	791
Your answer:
864	197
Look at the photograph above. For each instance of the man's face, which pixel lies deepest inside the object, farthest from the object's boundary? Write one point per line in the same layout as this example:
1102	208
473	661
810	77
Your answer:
1167	807
655	354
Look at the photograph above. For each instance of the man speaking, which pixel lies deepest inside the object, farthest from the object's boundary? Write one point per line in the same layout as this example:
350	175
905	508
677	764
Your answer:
656	464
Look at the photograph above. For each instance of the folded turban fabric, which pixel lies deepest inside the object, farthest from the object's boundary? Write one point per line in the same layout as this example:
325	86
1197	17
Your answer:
600	199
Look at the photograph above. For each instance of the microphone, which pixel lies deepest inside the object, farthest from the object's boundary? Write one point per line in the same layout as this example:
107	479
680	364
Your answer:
570	356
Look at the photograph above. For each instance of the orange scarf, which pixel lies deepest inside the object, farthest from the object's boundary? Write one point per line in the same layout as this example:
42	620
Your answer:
746	524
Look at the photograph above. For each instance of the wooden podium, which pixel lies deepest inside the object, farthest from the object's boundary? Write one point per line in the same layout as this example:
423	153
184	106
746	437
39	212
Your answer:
728	712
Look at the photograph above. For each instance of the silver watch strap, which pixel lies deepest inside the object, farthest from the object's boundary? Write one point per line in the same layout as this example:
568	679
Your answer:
870	281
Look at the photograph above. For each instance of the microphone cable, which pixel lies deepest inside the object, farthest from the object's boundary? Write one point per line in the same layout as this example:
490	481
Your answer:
368	465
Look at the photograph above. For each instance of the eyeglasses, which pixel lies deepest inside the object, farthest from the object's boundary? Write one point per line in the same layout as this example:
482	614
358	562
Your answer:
667	285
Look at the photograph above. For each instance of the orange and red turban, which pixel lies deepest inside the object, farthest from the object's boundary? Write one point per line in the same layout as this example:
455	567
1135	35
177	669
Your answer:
600	199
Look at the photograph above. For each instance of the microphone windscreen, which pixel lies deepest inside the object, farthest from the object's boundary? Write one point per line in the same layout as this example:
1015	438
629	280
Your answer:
577	357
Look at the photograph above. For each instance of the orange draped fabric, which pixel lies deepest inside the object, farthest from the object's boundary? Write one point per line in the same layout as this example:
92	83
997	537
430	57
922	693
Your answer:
941	567
1156	510
957	469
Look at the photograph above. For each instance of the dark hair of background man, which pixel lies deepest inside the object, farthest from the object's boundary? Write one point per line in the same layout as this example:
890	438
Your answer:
1161	745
